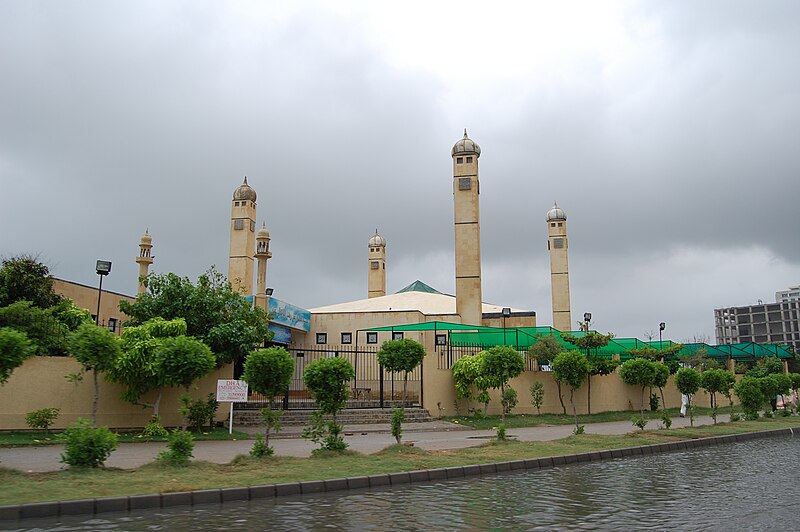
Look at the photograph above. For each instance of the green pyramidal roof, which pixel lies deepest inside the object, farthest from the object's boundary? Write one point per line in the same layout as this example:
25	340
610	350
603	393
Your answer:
418	286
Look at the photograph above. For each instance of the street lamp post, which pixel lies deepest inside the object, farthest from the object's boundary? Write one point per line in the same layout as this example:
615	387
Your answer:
103	268
506	314
661	327
587	317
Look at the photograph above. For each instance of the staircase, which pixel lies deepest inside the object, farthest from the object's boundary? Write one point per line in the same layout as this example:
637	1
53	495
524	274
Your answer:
252	418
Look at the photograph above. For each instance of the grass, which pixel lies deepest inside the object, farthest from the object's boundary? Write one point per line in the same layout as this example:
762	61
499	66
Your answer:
514	421
22	439
247	471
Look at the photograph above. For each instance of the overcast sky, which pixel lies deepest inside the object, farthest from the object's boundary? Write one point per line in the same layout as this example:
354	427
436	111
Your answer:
669	132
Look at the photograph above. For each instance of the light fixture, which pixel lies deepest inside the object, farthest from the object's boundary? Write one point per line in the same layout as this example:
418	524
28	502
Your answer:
270	291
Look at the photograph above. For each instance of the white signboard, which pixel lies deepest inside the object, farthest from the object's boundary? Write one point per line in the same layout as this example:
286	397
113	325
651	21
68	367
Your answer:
231	391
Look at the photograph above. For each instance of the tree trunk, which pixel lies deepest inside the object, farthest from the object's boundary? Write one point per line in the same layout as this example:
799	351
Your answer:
502	405
405	387
560	398
574	411
691	413
184	422
96	397
641	407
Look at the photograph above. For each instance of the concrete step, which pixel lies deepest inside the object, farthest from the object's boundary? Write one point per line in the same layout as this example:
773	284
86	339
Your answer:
348	417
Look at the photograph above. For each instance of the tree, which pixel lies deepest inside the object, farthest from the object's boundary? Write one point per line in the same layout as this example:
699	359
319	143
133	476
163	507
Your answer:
687	380
638	372
47	334
96	349
214	313
14	349
401	355
547	347
327	379
500	364
155	355
661	374
467	372
269	372
751	396
537	395
766	366
24	277
715	381
571	368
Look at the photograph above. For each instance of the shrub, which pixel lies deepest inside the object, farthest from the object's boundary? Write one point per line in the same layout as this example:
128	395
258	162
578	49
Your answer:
199	411
327	379
580	429
537	395
154	429
42	419
501	432
751	396
87	446
398	416
15	347
325	434
261	449
509	399
179	448
639	421
665	419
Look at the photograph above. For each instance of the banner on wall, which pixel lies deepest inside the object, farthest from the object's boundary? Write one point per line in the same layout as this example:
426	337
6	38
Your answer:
289	315
282	335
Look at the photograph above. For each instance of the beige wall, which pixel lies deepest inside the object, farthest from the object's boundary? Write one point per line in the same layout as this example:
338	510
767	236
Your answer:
40	383
86	297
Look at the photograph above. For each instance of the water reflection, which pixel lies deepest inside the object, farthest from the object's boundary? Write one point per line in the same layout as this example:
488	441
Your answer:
741	486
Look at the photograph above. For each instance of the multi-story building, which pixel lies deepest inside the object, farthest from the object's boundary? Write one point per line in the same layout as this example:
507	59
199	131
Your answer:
792	294
777	323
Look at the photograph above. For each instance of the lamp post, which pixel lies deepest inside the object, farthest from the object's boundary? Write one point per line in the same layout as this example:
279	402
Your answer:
103	268
587	318
661	327
506	314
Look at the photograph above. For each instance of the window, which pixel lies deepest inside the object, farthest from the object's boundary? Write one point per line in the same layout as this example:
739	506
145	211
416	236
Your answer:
238	224
374	265
112	324
560	224
552	224
464	183
372	338
441	339
397	335
558	243
347	338
322	338
469	159
459	160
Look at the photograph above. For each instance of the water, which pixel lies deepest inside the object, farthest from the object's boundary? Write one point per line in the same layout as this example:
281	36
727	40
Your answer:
740	486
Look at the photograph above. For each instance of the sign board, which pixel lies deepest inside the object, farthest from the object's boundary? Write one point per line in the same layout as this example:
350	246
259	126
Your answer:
283	335
289	315
231	391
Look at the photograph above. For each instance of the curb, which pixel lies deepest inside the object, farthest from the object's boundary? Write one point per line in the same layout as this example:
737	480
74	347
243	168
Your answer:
216	496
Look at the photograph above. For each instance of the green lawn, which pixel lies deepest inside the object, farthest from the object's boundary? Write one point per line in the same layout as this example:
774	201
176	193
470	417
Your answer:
537	420
245	471
21	439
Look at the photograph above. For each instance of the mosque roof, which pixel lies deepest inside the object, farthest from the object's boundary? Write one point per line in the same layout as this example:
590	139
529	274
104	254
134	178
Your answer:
416	297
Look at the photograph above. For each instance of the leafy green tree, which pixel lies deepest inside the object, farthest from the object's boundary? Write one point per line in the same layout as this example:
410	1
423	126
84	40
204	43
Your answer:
795	378
766	366
14	349
715	381
687	380
467	372
661	374
24	277
638	372
328	380
751	396
214	313
156	355
96	349
47	334
571	368
401	355
547	347
269	372
537	395
500	364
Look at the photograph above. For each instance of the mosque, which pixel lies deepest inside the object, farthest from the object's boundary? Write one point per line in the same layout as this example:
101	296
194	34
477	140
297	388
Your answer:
348	323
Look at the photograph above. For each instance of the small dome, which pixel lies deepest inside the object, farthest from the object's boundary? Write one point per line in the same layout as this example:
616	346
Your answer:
244	192
146	238
466	146
556	213
377	240
263	233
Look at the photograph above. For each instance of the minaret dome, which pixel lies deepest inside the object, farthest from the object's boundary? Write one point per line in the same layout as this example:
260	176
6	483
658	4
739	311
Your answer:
244	192
466	146
556	213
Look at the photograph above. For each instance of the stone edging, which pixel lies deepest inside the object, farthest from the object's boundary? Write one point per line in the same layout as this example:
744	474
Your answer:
222	495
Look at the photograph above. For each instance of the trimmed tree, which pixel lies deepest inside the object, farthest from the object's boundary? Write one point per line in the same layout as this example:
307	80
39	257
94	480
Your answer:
715	381
751	396
467	372
638	372
327	379
14	349
269	372
96	349
537	395
401	355
687	381
500	364
571	368
547	347
660	378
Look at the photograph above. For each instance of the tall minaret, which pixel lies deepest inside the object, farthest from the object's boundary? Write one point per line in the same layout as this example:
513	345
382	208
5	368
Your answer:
262	255
243	239
559	267
466	189
377	266
145	259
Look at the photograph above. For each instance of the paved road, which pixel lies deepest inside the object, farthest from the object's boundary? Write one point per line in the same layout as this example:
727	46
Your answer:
371	438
